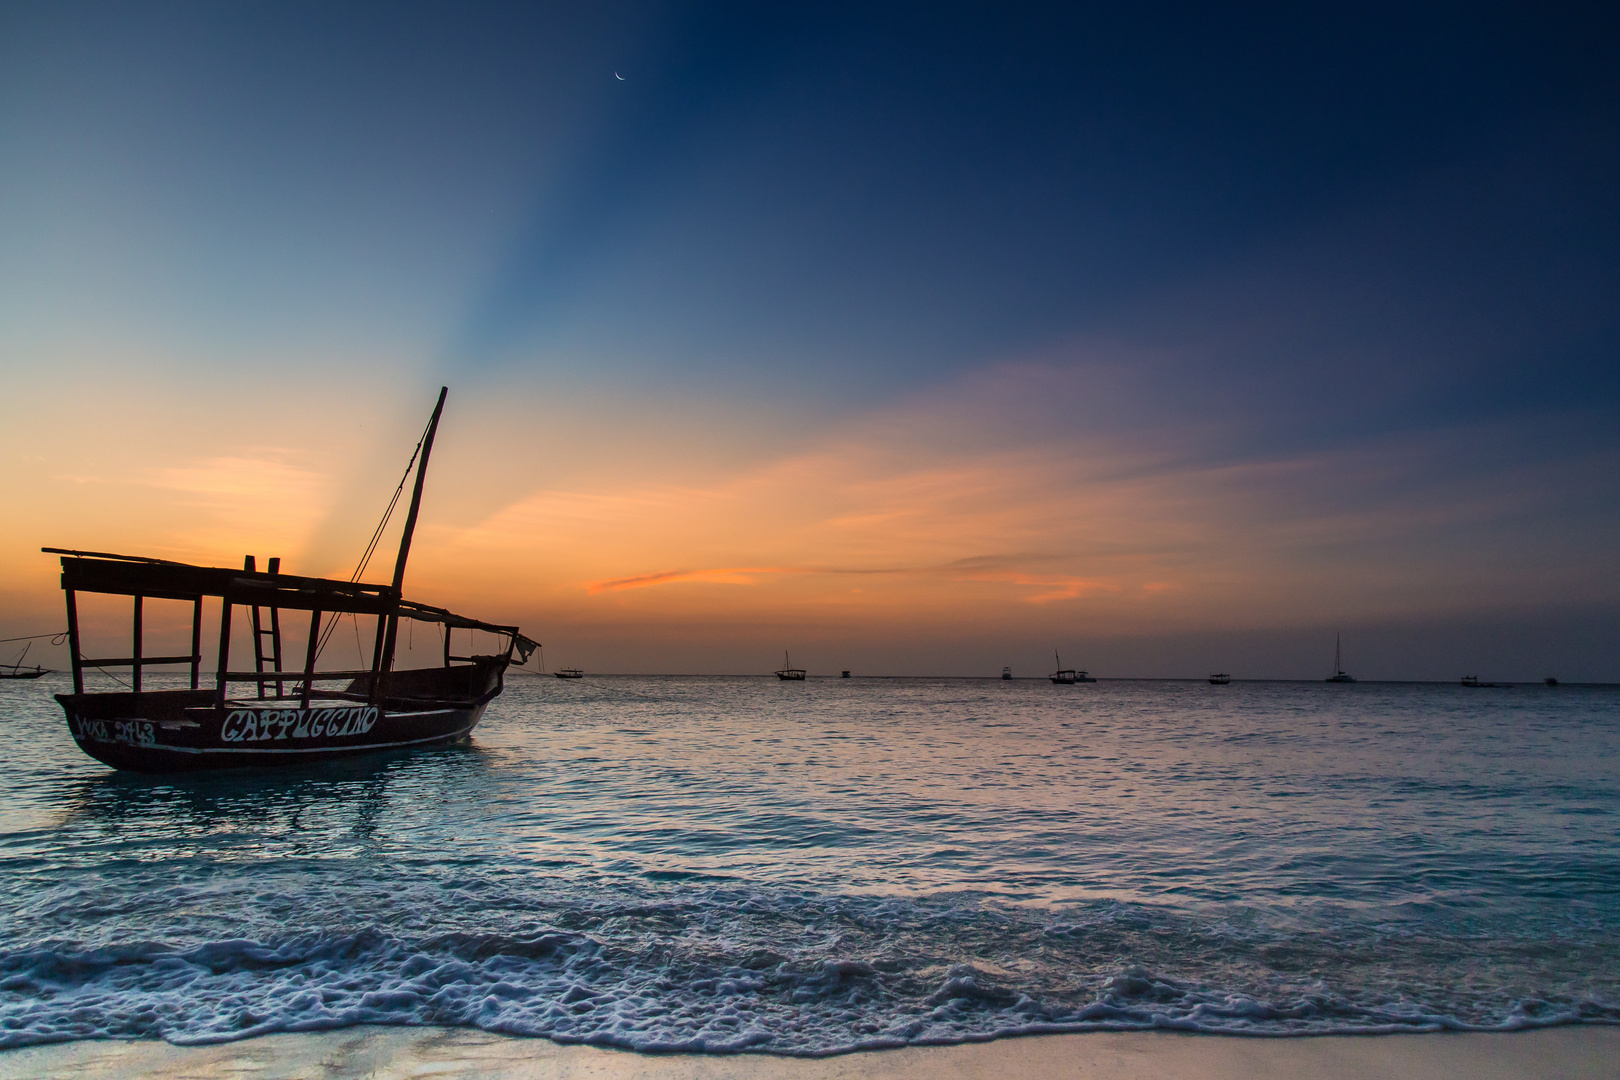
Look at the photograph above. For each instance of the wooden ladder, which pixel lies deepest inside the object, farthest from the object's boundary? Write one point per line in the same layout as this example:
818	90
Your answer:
260	632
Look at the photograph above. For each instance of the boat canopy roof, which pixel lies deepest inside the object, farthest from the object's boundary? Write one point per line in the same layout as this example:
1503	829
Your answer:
133	575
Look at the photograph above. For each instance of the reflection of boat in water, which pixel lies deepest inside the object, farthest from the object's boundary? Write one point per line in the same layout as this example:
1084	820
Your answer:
354	790
17	671
1338	665
789	673
290	720
1006	672
1220	678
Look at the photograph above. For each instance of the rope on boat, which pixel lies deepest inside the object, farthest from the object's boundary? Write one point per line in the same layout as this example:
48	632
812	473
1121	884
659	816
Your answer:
115	678
371	548
56	638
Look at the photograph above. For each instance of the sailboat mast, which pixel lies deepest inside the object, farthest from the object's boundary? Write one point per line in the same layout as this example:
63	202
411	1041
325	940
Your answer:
1338	665
385	660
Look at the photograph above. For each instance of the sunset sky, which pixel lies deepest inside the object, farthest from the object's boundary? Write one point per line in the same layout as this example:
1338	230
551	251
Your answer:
915	339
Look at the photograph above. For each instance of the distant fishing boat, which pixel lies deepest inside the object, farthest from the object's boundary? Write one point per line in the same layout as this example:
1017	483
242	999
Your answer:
1220	678
789	673
1006	672
1339	674
17	671
1473	683
561	673
844	675
290	719
1066	676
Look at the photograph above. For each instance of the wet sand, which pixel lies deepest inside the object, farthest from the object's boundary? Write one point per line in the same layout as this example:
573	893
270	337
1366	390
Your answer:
383	1053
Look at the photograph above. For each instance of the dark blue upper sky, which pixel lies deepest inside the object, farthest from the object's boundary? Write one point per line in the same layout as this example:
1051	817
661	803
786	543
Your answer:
916	188
908	185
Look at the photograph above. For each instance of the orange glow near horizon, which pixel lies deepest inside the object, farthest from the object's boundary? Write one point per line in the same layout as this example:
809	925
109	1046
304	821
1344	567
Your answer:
936	513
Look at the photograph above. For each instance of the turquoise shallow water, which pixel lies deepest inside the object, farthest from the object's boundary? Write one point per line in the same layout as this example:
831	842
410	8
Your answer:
722	864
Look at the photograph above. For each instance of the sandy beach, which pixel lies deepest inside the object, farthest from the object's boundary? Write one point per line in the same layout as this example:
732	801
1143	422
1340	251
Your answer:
379	1053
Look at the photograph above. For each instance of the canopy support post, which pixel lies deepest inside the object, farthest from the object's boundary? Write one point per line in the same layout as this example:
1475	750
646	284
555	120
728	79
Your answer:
196	642
74	654
224	647
135	656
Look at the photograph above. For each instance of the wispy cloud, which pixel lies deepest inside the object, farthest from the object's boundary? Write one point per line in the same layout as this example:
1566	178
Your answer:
734	575
957	507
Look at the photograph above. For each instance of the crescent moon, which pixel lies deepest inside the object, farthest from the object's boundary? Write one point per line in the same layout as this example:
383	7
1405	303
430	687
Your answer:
616	75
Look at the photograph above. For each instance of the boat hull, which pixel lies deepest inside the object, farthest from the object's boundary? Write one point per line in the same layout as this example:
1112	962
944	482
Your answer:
188	730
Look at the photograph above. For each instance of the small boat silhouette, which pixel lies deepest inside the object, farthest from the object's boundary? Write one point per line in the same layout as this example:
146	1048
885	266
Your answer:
789	673
1339	674
1220	678
1067	676
17	671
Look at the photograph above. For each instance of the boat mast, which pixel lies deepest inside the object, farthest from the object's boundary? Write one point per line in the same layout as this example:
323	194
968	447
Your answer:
384	660
1338	666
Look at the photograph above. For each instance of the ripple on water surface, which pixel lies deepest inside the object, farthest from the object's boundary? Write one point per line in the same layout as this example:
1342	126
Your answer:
740	863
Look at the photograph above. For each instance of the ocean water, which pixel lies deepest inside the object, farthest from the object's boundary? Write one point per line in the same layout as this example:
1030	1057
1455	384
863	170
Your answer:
722	864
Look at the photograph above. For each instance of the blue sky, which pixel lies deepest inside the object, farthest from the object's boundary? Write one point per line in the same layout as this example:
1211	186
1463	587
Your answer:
686	239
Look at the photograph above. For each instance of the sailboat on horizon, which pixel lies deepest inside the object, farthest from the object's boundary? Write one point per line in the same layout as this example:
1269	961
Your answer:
17	671
1339	674
1065	676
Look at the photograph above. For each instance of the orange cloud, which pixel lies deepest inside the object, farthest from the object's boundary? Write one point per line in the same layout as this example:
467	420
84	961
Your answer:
1053	587
740	575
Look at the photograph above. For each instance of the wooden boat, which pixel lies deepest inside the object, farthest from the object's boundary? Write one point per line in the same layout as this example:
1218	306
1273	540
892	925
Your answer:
287	717
1006	672
1062	676
561	673
789	673
1338	675
1473	683
1220	678
17	671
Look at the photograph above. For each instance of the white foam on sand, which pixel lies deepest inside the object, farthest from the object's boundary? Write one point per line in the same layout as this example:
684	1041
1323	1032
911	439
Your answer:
1584	1053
